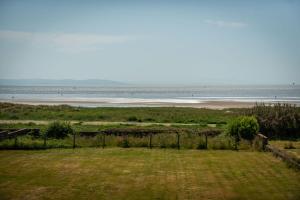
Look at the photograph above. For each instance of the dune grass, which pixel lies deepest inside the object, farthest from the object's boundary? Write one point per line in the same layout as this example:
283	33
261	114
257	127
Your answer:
116	173
159	114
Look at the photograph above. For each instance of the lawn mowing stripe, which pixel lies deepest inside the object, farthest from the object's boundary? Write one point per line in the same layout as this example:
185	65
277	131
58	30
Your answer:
156	173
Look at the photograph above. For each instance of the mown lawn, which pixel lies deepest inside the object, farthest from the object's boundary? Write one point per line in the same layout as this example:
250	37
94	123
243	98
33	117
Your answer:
134	173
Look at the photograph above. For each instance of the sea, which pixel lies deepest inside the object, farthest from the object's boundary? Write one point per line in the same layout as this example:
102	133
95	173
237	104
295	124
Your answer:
92	96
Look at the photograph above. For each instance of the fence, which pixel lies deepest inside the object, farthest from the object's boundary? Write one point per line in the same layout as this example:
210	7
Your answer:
15	133
126	137
291	160
139	134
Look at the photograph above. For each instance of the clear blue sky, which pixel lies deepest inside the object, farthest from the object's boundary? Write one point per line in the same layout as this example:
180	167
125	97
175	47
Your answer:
163	42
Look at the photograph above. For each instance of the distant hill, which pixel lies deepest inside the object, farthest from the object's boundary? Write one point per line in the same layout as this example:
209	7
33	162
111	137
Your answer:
59	82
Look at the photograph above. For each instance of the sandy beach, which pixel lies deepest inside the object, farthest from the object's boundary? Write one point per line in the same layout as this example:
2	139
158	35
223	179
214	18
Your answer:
213	97
218	104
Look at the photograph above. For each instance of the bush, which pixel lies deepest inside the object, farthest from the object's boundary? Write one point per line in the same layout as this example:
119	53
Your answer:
132	119
201	145
243	127
233	130
59	130
248	127
280	121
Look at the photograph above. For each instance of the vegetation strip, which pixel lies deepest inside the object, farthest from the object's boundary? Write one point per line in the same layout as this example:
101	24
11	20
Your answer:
95	123
148	115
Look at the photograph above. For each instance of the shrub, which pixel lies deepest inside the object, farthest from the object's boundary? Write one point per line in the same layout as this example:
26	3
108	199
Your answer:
243	127
149	119
102	117
132	119
233	131
248	127
35	133
59	130
201	145
281	121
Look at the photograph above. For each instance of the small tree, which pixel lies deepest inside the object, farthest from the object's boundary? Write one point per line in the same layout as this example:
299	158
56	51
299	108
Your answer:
248	127
242	127
59	130
233	131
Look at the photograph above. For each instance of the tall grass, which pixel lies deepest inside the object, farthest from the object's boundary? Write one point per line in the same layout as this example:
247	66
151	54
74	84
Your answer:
281	121
187	141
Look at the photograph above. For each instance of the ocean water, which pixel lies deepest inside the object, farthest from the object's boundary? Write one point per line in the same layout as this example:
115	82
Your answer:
157	94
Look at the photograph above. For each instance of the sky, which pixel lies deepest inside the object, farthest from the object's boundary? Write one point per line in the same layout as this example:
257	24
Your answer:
152	42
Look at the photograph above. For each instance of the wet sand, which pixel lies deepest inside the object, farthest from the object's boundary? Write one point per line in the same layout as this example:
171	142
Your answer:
136	103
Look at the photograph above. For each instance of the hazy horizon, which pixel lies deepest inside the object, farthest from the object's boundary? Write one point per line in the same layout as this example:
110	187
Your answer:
159	42
113	83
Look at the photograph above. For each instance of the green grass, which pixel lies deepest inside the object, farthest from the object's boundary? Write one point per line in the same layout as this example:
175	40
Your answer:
133	173
160	114
291	147
79	127
187	141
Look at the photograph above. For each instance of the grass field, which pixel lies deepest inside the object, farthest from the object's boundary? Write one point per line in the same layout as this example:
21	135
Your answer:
134	173
291	147
159	114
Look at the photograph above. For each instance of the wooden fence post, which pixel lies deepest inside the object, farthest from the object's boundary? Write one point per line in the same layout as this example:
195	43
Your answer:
74	140
264	140
178	141
265	143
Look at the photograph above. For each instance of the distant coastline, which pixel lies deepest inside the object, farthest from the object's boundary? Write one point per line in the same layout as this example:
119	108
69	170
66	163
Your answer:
59	82
216	97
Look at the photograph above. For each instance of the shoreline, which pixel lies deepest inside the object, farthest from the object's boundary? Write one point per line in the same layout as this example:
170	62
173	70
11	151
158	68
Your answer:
122	102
